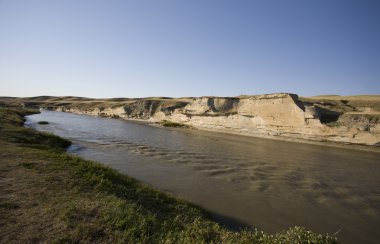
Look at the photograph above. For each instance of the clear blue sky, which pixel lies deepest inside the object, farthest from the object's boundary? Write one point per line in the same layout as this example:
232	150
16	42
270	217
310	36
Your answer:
179	48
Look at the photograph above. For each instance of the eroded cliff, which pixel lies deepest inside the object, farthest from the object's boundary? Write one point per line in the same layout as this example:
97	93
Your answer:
348	120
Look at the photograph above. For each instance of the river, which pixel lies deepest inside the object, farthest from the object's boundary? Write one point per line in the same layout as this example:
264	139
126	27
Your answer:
267	184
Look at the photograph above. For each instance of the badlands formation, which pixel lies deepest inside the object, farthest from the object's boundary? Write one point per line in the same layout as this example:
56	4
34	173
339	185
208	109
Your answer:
348	120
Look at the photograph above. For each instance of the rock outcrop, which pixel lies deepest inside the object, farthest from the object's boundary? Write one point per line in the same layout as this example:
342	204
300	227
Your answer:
281	115
268	115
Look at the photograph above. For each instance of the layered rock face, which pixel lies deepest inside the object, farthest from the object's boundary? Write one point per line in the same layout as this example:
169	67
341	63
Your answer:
251	115
282	114
266	115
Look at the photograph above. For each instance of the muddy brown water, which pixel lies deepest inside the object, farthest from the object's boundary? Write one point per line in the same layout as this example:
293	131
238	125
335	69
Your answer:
267	184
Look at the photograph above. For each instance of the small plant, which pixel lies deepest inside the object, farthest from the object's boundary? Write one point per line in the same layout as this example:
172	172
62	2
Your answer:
167	123
43	122
28	165
333	124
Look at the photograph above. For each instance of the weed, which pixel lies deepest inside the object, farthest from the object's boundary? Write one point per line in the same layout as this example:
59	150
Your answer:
167	123
334	124
9	205
28	165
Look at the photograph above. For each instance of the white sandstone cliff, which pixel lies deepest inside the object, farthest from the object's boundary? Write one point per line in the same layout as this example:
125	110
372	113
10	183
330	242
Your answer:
281	114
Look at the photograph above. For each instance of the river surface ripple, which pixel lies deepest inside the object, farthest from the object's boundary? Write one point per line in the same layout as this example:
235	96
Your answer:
267	184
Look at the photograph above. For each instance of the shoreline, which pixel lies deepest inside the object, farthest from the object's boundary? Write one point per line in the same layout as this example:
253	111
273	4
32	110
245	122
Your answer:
344	122
343	145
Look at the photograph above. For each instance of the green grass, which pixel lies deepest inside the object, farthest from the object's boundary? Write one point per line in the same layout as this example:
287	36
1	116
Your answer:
51	196
167	123
334	124
12	130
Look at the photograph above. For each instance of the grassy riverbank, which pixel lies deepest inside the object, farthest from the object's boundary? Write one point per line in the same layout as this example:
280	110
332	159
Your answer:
49	196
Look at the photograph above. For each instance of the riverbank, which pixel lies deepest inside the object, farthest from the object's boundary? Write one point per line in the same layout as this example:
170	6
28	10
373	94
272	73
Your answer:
361	147
50	196
330	120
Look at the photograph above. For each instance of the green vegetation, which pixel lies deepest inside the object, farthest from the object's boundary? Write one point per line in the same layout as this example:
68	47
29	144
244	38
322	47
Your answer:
50	196
43	122
343	104
167	123
334	124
